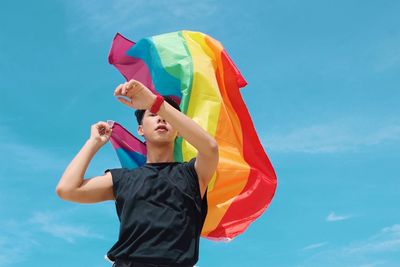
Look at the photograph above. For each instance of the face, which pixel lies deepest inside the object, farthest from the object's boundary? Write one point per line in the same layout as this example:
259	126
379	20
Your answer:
156	130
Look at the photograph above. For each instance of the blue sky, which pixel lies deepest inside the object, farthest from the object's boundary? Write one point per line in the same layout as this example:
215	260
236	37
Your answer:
323	94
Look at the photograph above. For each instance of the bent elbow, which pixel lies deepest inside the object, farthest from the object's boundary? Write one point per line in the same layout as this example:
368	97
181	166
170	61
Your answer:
59	192
214	147
62	193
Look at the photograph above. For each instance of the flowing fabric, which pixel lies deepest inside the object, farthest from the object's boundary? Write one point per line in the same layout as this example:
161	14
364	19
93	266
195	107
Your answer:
196	70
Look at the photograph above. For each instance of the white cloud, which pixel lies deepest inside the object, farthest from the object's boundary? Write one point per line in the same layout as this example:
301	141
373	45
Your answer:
314	246
332	137
107	17
333	217
16	242
11	254
19	238
68	232
378	250
26	156
388	239
30	156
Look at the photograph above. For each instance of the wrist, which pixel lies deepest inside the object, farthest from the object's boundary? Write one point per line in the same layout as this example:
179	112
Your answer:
94	142
158	100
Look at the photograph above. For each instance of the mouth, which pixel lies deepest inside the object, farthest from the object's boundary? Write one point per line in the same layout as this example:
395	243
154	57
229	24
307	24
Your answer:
162	128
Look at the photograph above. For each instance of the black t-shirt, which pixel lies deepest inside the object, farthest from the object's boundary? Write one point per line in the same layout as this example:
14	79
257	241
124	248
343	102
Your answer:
161	213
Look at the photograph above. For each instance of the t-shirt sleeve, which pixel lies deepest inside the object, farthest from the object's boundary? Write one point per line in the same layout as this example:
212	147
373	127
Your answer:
117	178
195	183
193	178
191	168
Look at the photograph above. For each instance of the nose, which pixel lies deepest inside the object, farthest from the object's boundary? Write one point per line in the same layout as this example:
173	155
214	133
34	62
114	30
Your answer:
160	119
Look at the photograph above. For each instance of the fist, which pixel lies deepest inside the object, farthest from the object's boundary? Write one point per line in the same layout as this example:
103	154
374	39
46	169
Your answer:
135	95
100	132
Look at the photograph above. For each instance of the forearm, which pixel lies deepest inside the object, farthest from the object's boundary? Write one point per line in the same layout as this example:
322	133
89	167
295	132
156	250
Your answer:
73	176
142	98
189	129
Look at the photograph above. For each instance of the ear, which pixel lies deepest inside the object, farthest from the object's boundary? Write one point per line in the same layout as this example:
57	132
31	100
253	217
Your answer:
140	130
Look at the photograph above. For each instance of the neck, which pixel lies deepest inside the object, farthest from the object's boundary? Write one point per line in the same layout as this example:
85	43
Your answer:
160	152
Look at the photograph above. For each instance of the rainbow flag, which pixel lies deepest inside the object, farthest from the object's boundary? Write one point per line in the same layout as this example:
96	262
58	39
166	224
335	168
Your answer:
195	69
130	150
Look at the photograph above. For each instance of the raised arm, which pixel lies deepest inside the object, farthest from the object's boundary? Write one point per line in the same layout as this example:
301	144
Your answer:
72	185
207	148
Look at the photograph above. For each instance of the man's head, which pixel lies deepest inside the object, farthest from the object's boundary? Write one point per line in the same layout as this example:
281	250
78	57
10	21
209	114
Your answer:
153	127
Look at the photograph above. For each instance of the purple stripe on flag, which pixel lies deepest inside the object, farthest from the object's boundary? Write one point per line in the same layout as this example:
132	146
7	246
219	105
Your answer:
127	65
121	138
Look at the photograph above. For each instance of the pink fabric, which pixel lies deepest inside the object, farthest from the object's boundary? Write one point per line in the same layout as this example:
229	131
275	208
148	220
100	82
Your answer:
129	66
121	138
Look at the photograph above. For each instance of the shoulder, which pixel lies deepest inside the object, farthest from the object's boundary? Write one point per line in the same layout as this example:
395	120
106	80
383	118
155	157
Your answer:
190	166
191	173
118	173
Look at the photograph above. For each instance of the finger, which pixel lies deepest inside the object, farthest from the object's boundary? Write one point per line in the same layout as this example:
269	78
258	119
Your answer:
117	90
105	131
137	87
123	90
109	132
133	83
136	83
124	101
101	125
127	87
133	88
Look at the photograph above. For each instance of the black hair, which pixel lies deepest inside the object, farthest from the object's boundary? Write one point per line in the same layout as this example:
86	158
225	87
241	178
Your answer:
140	112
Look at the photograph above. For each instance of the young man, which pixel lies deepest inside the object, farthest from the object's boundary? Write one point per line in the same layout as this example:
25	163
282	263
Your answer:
161	205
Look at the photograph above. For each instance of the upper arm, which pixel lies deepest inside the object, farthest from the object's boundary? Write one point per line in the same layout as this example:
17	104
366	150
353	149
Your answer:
205	166
96	189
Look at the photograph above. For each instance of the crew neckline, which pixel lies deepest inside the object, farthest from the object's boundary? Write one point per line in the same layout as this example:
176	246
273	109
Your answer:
159	163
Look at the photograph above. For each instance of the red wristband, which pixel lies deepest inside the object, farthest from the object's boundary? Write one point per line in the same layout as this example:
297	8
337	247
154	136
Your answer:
157	104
